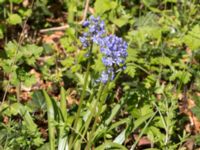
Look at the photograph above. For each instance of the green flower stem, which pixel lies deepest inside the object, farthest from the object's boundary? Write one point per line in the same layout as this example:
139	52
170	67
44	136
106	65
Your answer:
102	87
62	140
82	96
164	124
142	132
140	67
84	129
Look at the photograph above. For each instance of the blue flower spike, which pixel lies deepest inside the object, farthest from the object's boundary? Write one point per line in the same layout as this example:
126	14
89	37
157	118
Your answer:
113	48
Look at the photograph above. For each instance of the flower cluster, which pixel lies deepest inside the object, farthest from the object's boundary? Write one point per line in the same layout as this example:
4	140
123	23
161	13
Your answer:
113	48
115	53
95	33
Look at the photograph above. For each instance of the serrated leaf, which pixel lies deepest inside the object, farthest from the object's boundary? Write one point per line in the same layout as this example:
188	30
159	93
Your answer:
192	39
132	55
165	61
130	70
183	76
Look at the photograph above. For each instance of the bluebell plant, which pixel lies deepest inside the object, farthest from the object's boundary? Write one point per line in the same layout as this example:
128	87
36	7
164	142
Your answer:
113	48
95	33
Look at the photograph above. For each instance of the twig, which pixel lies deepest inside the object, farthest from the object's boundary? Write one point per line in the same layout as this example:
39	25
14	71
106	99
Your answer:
55	28
67	26
85	11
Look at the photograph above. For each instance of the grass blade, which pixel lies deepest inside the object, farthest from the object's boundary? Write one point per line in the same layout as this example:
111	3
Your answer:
50	114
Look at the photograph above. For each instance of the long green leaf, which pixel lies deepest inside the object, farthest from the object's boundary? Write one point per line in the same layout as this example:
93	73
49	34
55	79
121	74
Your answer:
141	120
63	140
111	145
63	104
50	113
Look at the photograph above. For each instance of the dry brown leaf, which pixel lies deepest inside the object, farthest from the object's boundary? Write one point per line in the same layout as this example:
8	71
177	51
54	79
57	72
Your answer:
143	140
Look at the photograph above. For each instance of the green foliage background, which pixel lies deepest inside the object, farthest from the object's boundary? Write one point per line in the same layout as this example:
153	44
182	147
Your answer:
163	63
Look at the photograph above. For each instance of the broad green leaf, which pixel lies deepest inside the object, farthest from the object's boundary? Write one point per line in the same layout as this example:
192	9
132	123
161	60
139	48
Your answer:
14	19
68	62
123	20
102	6
38	100
2	1
11	49
25	13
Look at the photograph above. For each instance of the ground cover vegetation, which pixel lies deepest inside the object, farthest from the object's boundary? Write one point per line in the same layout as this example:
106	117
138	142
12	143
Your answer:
99	74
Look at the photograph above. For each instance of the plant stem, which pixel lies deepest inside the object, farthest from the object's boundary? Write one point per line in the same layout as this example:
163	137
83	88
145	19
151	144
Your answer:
142	132
84	129
102	87
82	96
